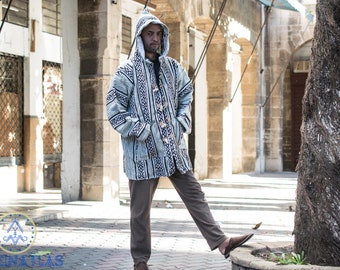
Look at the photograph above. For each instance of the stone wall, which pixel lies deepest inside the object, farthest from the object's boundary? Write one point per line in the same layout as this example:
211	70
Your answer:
99	47
216	76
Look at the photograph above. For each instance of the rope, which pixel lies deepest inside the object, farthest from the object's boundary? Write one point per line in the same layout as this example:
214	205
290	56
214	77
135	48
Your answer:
273	88
207	44
252	52
134	38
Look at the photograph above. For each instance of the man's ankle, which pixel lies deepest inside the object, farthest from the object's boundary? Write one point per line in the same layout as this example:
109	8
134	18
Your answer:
223	245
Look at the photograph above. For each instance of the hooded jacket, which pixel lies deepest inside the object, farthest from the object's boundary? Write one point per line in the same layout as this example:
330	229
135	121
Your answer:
151	116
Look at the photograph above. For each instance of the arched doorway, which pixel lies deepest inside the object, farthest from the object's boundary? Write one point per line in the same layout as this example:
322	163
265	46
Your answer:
298	74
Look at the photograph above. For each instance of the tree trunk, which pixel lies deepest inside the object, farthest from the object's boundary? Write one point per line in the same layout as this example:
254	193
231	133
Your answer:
317	218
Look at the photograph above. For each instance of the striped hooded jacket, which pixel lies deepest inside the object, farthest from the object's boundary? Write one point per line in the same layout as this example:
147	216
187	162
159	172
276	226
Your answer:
151	117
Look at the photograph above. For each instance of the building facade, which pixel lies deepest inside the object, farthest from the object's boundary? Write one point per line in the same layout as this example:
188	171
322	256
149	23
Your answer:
248	61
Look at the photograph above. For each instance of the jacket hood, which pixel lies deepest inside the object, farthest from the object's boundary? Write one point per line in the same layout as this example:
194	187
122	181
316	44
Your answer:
144	20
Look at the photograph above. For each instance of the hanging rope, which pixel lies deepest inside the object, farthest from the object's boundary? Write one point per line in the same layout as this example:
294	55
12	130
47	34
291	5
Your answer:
207	44
252	52
4	18
276	82
134	38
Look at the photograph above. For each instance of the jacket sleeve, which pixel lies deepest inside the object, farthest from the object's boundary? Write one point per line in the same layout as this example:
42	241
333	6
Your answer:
117	106
185	92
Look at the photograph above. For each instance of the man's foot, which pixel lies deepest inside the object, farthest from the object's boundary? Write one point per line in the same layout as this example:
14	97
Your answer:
141	266
233	242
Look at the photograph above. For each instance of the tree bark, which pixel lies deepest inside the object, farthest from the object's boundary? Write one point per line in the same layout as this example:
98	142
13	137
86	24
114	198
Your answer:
317	217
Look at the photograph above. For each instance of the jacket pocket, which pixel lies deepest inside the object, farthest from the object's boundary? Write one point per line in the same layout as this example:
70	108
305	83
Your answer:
152	147
141	152
133	149
179	131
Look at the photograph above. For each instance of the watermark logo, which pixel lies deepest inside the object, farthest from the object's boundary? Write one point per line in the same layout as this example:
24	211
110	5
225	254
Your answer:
17	233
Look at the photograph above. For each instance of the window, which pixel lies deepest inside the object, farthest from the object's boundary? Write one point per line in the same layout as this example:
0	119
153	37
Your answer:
53	100
17	13
301	66
52	133
126	34
11	104
51	12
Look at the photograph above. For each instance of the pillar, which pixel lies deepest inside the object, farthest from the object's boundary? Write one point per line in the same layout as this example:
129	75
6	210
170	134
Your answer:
99	47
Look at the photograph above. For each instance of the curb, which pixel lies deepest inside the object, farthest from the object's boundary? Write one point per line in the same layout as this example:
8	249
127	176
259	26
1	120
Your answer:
243	259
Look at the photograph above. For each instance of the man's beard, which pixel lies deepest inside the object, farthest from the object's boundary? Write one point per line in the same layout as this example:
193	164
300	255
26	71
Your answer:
152	49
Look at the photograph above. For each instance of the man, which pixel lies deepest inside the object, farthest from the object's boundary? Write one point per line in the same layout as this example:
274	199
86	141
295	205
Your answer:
148	103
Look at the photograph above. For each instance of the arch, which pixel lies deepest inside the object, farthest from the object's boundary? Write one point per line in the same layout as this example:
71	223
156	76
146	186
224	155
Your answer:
302	53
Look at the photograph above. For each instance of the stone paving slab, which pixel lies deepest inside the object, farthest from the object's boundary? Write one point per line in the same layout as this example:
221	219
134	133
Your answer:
94	235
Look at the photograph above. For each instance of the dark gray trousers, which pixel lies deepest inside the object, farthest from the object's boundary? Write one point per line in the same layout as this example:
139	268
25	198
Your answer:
188	188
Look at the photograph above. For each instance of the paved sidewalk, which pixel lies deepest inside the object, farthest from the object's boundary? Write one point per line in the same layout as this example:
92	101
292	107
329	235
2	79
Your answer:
94	235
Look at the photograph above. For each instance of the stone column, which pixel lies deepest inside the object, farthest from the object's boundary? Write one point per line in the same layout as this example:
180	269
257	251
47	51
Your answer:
33	105
216	77
99	47
70	173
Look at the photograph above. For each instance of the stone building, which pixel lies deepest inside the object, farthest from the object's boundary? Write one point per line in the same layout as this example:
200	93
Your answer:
248	60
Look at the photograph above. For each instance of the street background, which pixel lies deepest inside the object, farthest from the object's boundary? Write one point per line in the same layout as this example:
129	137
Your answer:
96	235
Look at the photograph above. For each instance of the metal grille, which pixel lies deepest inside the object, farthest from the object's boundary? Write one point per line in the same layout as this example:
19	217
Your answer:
11	101
53	102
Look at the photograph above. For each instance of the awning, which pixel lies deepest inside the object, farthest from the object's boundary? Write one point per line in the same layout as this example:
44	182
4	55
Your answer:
289	5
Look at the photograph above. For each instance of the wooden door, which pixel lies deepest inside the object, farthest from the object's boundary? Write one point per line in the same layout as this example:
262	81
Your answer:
298	83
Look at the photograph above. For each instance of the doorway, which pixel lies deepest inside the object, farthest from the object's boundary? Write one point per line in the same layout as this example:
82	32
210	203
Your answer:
298	84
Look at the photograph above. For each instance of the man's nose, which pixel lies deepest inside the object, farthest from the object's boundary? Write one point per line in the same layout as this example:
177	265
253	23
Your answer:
156	37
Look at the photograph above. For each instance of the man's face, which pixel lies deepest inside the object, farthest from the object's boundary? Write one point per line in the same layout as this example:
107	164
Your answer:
152	36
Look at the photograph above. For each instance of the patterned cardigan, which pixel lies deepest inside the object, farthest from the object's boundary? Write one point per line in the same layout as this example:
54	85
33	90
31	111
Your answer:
151	117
